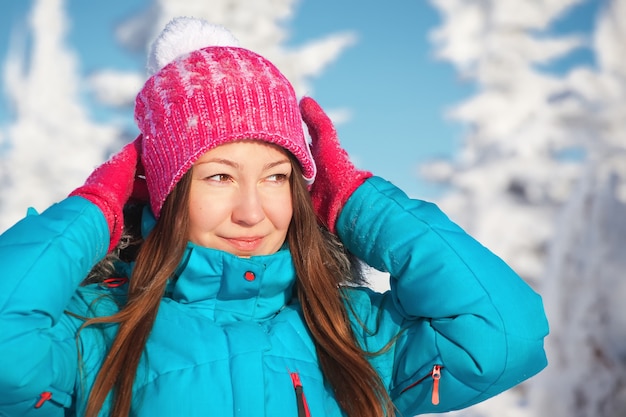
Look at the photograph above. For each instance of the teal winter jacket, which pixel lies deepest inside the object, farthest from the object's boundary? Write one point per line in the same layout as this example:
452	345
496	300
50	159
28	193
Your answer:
229	338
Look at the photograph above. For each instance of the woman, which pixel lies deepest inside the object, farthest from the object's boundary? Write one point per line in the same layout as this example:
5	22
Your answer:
238	302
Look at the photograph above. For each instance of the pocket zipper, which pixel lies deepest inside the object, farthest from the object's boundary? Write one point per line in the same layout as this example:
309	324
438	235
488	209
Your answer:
43	397
435	374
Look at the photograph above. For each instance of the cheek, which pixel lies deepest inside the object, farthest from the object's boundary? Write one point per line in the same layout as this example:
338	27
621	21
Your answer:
280	210
206	213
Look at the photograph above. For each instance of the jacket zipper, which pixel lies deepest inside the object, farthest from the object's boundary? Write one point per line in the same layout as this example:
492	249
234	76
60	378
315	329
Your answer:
435	374
303	407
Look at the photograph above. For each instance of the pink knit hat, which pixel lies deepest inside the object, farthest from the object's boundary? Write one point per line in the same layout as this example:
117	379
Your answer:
200	97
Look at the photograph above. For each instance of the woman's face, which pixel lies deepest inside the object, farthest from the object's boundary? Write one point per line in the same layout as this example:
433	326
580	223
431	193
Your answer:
240	198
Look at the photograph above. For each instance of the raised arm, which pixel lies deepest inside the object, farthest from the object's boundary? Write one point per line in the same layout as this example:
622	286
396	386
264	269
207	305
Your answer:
461	307
44	258
454	307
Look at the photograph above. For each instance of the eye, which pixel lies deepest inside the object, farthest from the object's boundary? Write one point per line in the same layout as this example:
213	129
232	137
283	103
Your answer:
278	178
219	178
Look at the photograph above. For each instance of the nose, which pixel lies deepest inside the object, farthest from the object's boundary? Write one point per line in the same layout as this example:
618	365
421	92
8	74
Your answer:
249	208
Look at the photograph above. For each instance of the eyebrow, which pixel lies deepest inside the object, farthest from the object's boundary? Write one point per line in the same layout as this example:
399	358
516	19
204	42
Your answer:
274	164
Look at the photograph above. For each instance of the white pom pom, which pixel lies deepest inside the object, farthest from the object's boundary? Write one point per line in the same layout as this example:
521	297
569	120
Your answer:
183	35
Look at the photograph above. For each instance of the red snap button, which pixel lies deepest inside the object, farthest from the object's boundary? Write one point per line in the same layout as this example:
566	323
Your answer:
249	276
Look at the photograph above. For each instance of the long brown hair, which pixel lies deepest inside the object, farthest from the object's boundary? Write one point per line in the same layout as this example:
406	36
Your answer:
321	270
321	273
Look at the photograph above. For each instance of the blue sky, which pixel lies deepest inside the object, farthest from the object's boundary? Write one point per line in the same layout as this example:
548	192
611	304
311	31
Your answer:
396	91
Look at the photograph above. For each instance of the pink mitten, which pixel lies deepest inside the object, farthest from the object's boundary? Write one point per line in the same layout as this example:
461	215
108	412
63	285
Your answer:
110	185
337	177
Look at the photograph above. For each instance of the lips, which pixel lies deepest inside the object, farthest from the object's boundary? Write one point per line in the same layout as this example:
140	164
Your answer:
247	244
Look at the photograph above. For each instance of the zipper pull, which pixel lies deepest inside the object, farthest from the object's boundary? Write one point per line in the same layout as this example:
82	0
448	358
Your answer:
436	374
43	397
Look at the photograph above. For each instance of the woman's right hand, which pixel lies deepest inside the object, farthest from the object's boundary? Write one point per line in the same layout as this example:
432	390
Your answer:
111	185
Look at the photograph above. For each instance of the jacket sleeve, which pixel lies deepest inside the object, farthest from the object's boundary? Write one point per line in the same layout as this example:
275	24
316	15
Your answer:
452	303
44	258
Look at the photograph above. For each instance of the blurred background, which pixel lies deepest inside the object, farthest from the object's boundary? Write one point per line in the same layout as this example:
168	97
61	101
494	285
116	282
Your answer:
511	115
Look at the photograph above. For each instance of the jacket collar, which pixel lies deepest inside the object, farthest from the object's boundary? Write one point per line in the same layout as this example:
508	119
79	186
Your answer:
225	287
228	288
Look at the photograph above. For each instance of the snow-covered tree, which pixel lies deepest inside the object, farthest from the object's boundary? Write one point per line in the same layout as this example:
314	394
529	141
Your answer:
585	285
541	178
508	180
53	143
